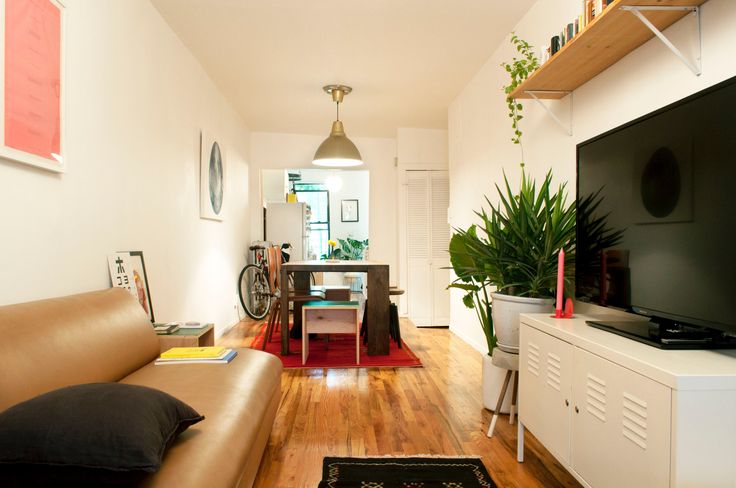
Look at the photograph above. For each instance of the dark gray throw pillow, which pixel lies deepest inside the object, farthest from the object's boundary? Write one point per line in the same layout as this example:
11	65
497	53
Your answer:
107	428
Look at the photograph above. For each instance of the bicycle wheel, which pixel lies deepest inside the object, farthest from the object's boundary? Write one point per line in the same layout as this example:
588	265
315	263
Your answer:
255	295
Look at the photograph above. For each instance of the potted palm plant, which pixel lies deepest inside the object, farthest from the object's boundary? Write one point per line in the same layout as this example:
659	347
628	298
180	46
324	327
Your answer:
514	251
507	264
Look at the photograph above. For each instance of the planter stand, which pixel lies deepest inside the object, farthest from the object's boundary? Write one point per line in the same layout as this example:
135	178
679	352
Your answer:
493	378
509	362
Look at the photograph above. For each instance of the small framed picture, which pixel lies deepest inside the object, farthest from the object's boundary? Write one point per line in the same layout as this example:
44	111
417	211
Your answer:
349	211
140	279
128	270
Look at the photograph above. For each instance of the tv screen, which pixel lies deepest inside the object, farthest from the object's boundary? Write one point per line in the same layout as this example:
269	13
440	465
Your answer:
657	213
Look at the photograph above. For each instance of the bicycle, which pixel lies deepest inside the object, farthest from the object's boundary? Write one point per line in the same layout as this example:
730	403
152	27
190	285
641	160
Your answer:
253	288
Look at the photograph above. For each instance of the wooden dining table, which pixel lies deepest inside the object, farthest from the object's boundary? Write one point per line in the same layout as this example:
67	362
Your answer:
377	314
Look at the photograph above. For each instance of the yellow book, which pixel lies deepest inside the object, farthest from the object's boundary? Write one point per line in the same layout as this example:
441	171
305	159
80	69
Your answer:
193	352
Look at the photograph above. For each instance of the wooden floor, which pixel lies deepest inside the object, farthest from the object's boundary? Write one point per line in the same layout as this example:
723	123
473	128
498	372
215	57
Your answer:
434	410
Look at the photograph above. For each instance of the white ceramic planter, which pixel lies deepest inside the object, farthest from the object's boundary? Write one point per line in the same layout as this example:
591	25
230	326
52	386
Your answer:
506	310
493	377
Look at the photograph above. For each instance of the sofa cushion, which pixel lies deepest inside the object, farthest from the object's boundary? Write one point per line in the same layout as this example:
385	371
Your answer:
101	426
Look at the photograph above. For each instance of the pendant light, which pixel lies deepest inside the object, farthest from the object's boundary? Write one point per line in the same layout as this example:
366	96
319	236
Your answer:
337	150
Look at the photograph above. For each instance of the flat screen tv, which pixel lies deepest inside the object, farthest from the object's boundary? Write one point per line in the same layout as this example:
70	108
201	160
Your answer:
657	220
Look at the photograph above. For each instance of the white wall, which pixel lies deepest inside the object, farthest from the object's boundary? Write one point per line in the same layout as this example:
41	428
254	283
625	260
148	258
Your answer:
283	151
648	78
136	101
421	146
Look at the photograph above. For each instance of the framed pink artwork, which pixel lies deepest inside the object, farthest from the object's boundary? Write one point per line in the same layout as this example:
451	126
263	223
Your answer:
32	83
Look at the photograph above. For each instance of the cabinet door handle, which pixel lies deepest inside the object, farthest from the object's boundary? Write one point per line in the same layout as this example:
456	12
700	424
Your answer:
576	409
567	402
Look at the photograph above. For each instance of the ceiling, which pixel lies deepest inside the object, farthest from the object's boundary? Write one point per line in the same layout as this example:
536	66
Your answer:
405	59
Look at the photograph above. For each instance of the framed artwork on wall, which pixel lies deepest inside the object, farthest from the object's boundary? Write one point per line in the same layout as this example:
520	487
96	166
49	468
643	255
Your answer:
212	178
128	270
32	83
349	211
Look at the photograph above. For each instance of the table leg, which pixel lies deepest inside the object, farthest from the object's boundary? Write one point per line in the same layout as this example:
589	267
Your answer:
284	311
378	311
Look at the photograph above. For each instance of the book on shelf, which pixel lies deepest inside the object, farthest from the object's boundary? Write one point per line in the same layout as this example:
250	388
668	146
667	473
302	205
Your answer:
225	358
211	352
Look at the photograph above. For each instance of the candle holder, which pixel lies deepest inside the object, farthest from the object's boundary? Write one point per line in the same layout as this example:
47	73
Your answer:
567	314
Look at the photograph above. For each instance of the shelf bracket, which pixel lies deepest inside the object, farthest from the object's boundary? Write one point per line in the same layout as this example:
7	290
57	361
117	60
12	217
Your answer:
566	127
637	10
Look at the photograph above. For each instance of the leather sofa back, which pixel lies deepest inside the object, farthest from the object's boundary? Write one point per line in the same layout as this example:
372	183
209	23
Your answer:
91	337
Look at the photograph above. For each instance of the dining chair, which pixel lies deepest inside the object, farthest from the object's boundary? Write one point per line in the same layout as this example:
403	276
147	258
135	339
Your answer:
274	283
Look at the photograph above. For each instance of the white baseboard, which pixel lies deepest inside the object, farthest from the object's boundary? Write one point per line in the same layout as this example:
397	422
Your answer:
479	346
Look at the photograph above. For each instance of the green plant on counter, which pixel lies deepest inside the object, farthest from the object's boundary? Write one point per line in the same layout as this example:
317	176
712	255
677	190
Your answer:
349	250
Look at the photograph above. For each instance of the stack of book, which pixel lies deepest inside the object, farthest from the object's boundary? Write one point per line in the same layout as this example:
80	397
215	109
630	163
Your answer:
201	355
165	329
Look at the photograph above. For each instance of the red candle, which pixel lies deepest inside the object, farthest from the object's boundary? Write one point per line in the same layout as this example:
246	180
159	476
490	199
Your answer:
560	281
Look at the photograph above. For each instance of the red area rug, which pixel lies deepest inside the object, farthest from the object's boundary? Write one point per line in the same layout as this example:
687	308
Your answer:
340	353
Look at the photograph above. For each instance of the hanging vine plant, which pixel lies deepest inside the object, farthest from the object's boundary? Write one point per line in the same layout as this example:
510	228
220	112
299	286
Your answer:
519	70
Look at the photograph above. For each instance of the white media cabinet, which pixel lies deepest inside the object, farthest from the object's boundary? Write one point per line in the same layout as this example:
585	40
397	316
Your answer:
618	413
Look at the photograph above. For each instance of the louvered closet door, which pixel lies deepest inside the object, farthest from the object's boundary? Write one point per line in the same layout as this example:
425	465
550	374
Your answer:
427	240
418	231
440	242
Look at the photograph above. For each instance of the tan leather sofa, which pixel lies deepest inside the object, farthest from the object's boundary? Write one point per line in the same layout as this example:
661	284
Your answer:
105	336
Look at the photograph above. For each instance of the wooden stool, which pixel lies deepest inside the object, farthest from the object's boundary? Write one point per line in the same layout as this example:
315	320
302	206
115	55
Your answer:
509	362
323	317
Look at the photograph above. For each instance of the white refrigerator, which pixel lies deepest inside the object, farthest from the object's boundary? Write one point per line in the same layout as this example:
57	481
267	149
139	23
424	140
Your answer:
289	222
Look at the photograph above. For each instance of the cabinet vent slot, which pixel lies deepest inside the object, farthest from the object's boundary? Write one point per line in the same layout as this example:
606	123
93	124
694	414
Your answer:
532	359
553	371
635	420
596	397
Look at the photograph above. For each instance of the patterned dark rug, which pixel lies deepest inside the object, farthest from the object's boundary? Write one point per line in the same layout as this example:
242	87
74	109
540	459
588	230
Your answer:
404	472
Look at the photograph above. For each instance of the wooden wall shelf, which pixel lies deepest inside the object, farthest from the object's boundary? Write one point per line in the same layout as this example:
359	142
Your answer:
607	39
